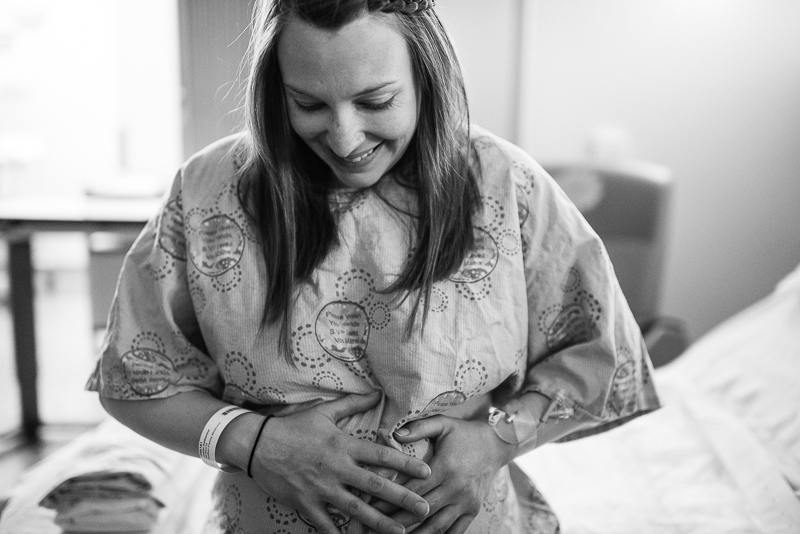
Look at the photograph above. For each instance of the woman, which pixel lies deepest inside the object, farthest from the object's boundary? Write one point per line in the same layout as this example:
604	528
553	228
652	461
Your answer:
403	304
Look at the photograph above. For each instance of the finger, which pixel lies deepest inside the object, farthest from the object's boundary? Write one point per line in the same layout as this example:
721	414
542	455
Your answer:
423	486
406	519
437	500
386	508
366	514
350	405
461	525
441	521
390	492
418	487
373	454
319	517
430	427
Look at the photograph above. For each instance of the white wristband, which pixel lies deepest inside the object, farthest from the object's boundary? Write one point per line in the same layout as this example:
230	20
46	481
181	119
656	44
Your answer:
211	433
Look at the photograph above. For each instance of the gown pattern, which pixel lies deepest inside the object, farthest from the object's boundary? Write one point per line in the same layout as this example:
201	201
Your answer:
534	307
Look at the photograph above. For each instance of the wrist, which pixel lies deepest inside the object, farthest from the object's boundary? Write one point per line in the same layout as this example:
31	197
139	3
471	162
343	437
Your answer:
501	425
238	439
505	451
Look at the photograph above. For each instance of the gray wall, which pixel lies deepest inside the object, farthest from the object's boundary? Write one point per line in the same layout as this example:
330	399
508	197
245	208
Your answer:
487	41
712	90
214	37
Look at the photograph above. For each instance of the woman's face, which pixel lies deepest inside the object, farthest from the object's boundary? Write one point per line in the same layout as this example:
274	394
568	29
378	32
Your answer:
350	95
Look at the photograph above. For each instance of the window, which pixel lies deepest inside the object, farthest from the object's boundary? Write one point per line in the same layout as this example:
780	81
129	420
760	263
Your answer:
90	100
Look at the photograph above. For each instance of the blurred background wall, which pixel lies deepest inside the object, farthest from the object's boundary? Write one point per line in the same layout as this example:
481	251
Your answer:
710	88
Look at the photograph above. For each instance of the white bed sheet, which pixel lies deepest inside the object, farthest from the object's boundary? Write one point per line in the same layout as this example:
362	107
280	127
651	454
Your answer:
722	456
750	364
691	467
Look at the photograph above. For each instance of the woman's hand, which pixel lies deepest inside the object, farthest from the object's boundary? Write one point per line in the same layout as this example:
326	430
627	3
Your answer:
467	457
305	461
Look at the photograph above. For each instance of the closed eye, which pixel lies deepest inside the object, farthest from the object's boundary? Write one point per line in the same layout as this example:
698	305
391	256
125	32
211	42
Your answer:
308	108
379	106
369	106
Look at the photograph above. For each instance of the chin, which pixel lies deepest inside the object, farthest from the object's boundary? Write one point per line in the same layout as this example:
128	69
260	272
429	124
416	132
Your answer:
366	176
358	181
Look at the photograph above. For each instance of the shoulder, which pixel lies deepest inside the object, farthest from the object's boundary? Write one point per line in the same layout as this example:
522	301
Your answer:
214	166
498	161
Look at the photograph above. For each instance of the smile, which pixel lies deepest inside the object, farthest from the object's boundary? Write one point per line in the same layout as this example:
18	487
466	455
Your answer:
364	156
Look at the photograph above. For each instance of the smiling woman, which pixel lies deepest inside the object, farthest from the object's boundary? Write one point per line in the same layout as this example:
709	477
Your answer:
362	308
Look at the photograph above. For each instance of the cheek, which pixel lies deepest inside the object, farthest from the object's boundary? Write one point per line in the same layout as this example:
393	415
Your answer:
399	126
304	125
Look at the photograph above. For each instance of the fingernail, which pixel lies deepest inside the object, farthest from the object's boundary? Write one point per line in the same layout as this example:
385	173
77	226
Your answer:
402	432
424	472
398	530
422	509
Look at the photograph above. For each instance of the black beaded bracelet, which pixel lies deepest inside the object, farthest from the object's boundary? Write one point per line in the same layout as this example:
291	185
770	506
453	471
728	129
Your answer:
253	450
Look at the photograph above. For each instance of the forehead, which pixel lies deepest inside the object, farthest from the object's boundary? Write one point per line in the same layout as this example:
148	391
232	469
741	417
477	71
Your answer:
364	53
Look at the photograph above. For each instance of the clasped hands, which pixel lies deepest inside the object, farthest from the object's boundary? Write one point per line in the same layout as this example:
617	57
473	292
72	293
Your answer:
305	461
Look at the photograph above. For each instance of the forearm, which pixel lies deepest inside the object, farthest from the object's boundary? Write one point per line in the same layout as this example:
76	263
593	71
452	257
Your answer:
177	422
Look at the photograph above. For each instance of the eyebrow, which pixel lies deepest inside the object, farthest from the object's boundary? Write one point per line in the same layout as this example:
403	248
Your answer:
361	93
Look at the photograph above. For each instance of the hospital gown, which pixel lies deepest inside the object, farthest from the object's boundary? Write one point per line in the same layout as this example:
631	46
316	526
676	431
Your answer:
534	307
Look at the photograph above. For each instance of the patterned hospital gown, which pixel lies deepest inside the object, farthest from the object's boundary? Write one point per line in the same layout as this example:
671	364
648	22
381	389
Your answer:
535	307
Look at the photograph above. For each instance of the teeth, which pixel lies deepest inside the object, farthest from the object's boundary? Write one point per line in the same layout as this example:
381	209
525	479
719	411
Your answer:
356	160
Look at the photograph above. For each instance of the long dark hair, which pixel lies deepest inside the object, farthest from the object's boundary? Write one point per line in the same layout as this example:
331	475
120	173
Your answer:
285	186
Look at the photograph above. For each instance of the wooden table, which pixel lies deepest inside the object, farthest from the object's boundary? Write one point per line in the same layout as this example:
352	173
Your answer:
20	219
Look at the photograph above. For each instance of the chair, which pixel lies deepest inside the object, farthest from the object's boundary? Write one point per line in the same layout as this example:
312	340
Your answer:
627	202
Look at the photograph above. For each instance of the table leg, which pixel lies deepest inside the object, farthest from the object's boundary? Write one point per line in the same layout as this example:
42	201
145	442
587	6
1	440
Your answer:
22	317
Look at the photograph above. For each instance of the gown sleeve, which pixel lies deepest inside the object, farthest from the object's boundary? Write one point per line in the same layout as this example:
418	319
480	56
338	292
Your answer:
585	351
153	346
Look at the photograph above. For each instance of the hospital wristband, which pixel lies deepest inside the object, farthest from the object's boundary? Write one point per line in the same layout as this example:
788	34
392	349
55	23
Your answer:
212	431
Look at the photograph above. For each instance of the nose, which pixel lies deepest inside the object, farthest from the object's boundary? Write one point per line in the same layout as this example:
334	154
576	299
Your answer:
345	133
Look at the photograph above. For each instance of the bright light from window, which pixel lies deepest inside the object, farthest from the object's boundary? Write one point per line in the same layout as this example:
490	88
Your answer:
89	95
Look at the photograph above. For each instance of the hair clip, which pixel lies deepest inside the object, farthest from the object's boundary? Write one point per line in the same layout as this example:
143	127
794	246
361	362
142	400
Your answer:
406	7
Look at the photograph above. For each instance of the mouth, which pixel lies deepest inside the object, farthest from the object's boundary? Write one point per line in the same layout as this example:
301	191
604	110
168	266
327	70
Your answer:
361	158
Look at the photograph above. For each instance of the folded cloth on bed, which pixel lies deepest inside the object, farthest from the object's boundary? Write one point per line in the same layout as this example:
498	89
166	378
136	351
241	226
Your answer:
107	499
107	480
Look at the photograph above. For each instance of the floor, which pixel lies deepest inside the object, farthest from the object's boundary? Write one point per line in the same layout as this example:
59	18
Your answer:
66	344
